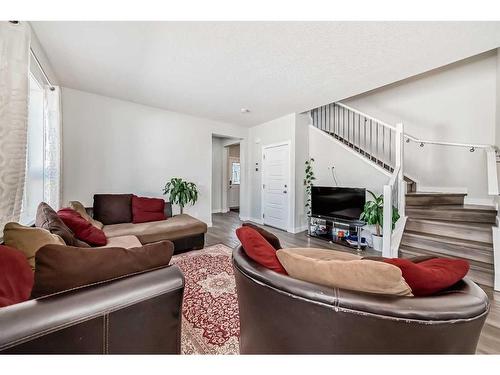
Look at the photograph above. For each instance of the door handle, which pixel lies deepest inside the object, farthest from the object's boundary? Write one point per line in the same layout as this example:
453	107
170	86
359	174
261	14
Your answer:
284	191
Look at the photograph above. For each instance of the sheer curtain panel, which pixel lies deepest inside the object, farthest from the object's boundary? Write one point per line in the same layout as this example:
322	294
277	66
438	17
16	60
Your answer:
52	157
14	88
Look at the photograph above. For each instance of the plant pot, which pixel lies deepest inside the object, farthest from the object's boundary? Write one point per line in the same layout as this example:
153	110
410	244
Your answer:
377	242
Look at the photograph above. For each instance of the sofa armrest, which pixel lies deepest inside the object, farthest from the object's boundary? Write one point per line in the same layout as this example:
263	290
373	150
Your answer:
136	314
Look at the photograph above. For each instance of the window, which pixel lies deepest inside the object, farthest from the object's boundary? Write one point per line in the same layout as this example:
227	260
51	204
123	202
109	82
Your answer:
34	185
235	173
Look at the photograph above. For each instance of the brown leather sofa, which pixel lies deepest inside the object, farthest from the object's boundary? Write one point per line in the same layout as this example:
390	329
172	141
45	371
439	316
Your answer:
282	315
185	231
140	314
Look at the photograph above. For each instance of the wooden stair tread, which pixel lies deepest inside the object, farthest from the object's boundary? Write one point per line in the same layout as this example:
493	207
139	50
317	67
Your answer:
451	240
456	207
474	264
470	250
485	227
424	194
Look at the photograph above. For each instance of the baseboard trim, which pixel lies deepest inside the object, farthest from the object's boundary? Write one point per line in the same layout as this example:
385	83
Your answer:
252	219
217	210
299	229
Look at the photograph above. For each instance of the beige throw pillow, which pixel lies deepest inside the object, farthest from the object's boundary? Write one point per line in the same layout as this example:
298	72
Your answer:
78	207
343	270
29	239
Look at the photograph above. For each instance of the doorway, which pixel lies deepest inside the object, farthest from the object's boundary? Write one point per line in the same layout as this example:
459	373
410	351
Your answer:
276	185
226	174
234	177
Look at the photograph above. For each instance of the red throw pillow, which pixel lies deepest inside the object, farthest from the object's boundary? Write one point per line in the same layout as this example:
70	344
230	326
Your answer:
257	248
82	229
16	276
431	276
147	209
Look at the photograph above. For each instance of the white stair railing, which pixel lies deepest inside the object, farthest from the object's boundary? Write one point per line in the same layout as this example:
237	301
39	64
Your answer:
394	198
370	137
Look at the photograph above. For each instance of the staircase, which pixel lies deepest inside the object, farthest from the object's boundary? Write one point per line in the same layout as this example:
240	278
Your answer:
365	135
438	224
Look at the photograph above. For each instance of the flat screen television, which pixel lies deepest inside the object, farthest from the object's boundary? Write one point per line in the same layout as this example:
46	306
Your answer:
337	202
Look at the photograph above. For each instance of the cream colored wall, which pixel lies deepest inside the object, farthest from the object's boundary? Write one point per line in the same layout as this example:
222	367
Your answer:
114	146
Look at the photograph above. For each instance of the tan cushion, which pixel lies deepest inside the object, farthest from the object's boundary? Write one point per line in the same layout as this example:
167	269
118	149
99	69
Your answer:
126	242
29	239
78	207
343	271
173	228
324	254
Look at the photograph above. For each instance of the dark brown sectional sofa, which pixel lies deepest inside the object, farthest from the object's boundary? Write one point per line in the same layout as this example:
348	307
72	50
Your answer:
185	231
136	314
139	314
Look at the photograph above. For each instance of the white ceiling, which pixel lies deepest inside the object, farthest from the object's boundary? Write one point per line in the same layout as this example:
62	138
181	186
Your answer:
213	69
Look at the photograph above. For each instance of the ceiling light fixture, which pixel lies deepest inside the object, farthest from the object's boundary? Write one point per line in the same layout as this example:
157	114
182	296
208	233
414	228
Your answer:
245	110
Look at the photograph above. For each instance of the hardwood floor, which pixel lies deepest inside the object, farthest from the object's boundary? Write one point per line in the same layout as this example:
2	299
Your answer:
223	231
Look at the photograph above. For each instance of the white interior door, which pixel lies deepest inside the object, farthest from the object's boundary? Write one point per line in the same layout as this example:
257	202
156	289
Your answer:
275	185
233	198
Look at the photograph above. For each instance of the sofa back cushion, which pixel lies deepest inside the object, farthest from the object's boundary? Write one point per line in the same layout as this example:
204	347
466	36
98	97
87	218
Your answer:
147	209
80	208
47	218
16	276
431	276
258	249
82	229
113	208
322	266
271	238
61	268
28	239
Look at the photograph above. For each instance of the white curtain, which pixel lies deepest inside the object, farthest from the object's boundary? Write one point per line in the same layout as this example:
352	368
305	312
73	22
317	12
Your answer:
52	144
14	89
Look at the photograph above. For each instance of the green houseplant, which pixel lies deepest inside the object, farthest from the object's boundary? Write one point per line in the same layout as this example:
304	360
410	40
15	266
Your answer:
308	183
373	214
181	192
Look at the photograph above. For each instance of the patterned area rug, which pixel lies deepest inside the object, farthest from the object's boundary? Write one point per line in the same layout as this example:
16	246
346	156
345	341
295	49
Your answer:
210	322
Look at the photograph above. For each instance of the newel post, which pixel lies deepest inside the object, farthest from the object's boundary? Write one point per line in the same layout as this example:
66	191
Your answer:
400	156
387	227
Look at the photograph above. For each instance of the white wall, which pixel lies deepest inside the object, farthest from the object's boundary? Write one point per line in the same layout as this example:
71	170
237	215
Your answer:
114	146
291	128
456	103
351	170
217	167
275	131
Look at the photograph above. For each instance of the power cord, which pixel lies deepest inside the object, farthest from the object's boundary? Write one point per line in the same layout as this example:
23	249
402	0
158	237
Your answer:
333	175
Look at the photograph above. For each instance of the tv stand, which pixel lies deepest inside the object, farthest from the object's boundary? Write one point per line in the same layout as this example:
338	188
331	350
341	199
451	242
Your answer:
330	229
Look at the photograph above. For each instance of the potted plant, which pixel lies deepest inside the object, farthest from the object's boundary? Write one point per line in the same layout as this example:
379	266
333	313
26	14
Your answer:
308	183
181	192
373	214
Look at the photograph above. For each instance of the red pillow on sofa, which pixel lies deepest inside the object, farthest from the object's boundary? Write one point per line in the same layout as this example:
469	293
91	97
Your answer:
257	248
147	209
82	229
431	276
16	276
